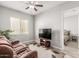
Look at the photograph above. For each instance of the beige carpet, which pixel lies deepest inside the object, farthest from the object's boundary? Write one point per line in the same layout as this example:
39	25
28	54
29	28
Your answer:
74	52
72	44
46	53
42	52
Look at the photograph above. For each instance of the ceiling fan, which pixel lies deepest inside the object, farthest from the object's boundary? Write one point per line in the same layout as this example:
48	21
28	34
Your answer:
34	5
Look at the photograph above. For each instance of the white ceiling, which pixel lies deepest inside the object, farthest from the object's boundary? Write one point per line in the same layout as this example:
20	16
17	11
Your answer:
71	12
20	6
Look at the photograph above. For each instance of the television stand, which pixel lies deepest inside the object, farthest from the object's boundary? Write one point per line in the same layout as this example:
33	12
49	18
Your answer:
44	42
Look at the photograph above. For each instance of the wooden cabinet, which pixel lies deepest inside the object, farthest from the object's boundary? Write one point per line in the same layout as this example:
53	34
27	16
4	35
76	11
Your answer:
45	42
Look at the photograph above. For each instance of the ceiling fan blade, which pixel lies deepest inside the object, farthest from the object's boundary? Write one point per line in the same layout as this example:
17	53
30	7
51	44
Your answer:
35	9
27	8
39	5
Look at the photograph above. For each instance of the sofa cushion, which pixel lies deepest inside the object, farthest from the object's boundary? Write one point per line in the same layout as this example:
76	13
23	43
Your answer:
19	49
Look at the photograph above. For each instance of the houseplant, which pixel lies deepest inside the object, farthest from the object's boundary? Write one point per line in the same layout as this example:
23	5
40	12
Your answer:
5	33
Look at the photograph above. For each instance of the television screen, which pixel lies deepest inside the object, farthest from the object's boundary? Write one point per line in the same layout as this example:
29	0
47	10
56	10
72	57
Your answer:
45	33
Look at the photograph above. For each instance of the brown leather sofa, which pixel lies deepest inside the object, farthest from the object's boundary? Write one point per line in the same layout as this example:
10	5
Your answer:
15	49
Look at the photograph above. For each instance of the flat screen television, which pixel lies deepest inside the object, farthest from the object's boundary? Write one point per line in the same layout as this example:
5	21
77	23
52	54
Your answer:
45	33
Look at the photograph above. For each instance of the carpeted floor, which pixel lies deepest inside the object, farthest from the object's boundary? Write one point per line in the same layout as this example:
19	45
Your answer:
46	53
72	44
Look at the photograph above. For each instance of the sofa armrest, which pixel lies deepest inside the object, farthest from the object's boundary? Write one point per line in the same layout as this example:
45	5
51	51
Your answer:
30	54
6	51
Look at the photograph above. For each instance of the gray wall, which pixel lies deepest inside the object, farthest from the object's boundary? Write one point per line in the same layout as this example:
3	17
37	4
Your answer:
6	13
50	19
71	24
54	19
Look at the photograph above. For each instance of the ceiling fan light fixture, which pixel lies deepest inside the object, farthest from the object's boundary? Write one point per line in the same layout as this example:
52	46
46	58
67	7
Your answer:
37	2
31	6
34	5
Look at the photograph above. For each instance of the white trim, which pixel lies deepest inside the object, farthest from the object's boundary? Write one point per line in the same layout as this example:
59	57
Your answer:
78	30
62	29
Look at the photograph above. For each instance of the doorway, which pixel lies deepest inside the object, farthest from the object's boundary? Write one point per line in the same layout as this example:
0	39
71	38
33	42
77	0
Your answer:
71	41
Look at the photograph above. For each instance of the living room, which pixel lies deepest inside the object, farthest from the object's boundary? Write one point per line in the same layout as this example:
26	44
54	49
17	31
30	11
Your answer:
26	19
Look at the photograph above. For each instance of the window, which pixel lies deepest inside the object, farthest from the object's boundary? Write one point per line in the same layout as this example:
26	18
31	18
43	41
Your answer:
19	26
24	26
